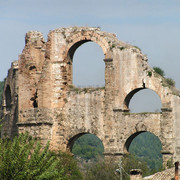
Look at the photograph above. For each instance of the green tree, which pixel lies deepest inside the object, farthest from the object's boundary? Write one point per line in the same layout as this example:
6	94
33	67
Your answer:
69	166
24	158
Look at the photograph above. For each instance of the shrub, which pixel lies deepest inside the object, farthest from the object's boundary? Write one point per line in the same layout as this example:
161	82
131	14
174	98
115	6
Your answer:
131	162
107	169
101	170
170	82
159	71
149	73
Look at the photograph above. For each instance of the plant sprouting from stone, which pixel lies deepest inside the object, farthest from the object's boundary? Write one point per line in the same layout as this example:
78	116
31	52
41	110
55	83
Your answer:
149	73
168	81
159	71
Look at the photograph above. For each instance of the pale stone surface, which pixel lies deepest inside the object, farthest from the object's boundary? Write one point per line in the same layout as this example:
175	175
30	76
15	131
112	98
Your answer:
39	97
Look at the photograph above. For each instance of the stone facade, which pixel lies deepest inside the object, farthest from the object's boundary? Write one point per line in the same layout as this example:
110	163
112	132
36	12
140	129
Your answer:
39	96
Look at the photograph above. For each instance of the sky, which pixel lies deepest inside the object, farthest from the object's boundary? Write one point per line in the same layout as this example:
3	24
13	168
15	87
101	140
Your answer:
153	26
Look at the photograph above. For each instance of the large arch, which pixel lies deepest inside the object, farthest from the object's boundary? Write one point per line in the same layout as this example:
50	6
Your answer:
78	40
88	67
130	95
134	135
129	141
72	140
85	147
81	38
146	146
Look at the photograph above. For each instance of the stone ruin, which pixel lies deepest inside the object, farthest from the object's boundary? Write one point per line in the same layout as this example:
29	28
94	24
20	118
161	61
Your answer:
39	96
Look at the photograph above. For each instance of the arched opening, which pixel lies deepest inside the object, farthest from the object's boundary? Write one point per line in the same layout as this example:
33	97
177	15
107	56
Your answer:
14	128
8	97
146	147
86	147
88	65
143	100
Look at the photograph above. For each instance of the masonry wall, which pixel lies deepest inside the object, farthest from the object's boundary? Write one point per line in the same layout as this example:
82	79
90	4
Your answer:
47	105
10	102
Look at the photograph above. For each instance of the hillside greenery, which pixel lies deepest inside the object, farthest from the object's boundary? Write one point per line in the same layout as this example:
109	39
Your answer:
88	147
161	72
147	147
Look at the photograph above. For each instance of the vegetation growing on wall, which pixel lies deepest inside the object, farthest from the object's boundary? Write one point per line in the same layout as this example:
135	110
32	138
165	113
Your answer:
149	73
84	90
168	81
137	48
159	71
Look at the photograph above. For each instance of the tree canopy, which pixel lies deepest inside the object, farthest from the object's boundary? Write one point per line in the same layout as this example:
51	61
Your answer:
25	158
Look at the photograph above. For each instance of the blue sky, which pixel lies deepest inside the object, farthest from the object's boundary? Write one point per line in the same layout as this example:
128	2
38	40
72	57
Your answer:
152	25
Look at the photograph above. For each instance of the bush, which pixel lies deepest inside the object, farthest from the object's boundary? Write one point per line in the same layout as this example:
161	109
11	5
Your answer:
131	162
107	169
159	71
24	158
149	73
170	82
101	170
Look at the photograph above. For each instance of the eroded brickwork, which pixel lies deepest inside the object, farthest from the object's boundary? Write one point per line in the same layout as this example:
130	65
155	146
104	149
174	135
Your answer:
39	96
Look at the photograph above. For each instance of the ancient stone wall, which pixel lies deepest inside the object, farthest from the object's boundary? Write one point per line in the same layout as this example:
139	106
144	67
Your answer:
44	102
10	102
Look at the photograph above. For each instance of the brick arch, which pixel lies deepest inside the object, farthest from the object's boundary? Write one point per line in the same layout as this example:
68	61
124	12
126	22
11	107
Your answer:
129	96
75	41
79	39
72	139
